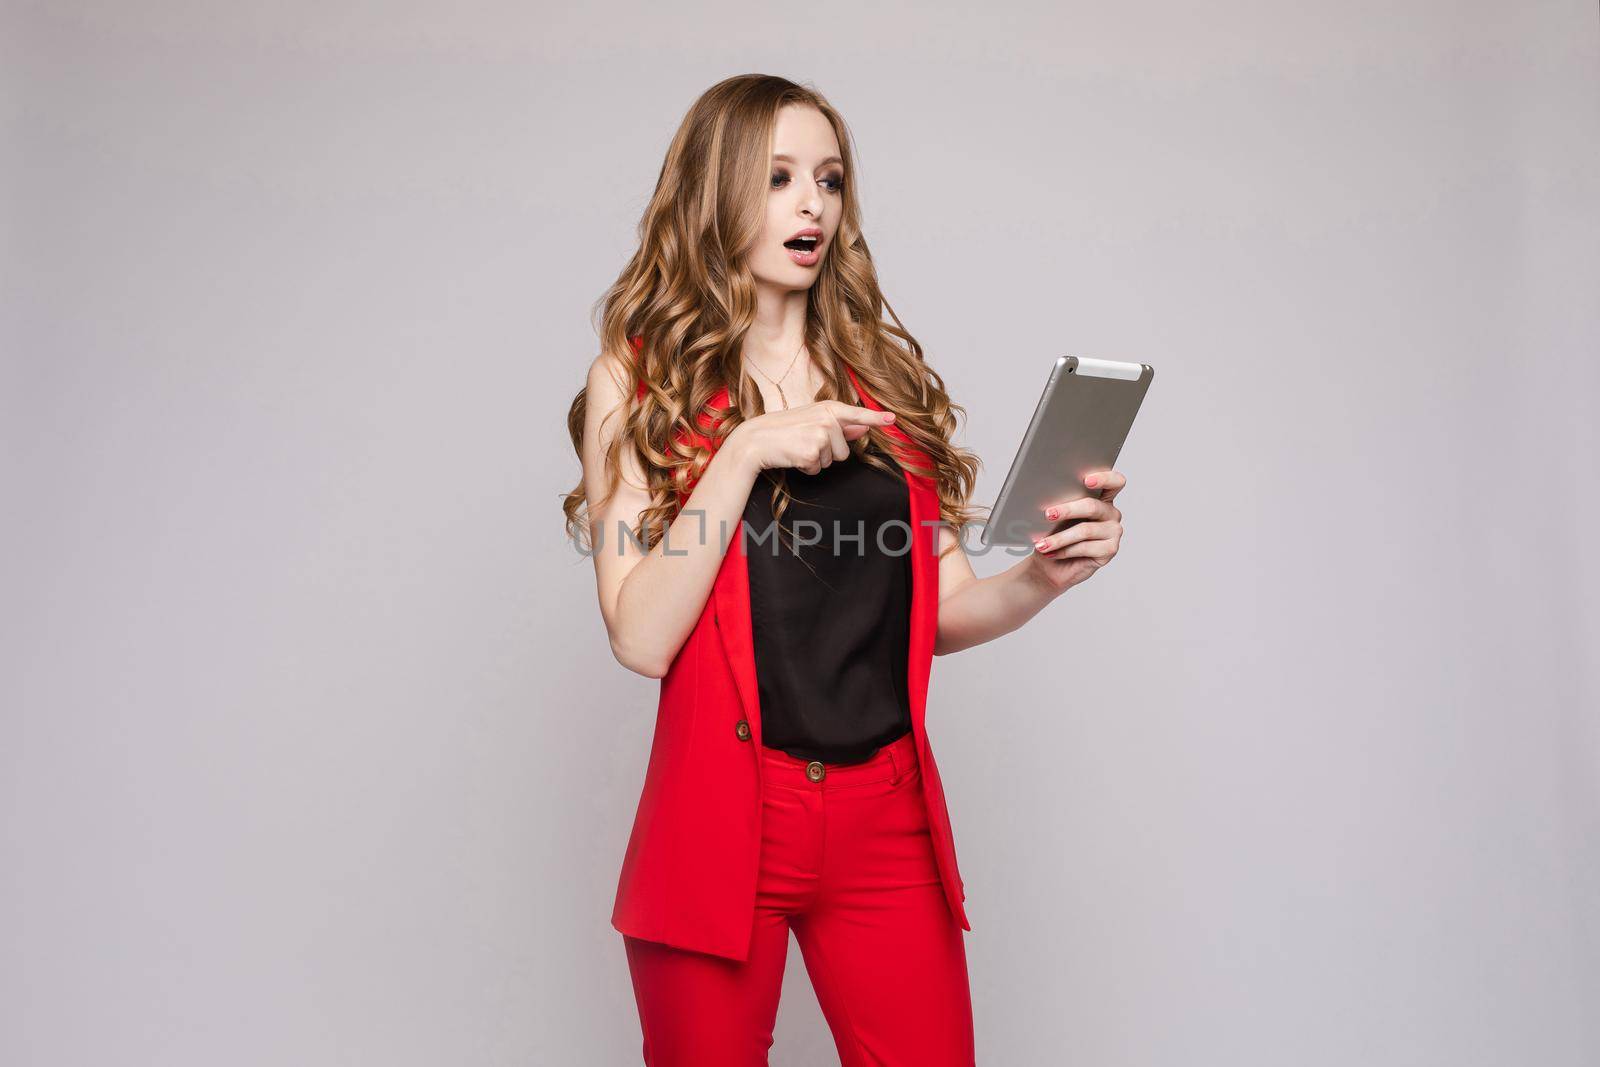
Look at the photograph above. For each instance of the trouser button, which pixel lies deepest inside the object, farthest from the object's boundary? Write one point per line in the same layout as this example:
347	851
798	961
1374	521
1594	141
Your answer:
814	771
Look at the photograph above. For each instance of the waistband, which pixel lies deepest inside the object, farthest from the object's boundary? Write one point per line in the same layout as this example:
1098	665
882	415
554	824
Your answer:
891	761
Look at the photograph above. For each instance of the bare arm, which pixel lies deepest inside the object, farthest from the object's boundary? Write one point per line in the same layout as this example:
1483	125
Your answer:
651	601
973	610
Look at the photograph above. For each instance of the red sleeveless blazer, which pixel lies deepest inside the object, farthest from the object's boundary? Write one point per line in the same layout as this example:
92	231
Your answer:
689	873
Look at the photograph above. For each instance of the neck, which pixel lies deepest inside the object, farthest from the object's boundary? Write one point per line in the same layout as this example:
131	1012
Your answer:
779	327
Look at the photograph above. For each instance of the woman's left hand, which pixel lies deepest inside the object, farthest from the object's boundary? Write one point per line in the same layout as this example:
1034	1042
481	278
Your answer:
1067	557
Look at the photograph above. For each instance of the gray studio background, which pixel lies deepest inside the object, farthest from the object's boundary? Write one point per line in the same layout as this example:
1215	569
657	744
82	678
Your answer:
314	752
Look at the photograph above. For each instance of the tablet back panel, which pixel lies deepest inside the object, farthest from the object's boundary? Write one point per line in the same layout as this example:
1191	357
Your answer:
1082	419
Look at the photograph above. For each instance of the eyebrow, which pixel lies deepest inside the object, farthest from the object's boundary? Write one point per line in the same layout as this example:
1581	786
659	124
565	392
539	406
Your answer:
791	159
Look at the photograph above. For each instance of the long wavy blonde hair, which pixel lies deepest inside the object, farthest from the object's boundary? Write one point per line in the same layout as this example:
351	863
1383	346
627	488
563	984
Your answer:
688	293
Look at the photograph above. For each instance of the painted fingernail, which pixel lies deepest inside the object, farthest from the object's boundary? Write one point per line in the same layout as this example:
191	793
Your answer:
1038	546
1050	514
1090	481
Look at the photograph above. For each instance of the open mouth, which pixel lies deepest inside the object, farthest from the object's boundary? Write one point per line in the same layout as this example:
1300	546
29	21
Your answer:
804	248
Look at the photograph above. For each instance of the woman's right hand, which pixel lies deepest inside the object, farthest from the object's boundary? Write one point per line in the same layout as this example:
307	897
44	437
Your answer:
809	437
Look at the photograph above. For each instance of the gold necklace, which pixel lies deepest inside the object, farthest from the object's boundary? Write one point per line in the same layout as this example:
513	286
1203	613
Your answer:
779	381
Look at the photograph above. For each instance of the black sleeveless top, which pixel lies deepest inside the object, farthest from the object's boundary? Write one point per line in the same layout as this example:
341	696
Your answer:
830	609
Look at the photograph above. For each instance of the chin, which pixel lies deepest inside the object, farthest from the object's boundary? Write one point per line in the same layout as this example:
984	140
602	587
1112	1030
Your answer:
792	280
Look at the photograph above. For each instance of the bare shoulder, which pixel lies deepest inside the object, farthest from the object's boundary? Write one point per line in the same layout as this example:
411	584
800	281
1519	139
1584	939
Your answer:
609	378
609	400
609	390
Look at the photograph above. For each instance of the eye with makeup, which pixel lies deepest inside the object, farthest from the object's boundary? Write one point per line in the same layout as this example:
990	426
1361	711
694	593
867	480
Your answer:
780	178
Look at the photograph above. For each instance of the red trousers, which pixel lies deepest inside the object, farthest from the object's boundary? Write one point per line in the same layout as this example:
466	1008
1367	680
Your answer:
847	863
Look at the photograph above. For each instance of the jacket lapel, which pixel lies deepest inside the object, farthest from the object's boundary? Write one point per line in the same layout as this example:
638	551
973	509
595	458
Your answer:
731	592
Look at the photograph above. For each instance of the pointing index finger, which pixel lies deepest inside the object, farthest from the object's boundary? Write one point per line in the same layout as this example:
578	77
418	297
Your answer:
860	416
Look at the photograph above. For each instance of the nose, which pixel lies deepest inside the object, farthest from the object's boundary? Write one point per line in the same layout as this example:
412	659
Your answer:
811	203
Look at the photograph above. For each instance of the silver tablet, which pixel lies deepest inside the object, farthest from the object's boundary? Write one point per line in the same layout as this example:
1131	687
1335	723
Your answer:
1079	426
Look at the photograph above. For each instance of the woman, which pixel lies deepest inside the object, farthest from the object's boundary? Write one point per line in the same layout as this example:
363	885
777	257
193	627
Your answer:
768	493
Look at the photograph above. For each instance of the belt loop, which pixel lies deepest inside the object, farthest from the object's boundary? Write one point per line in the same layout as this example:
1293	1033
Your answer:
894	761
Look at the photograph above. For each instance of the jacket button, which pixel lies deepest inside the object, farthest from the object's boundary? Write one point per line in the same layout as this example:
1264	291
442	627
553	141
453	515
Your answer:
742	728
814	771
